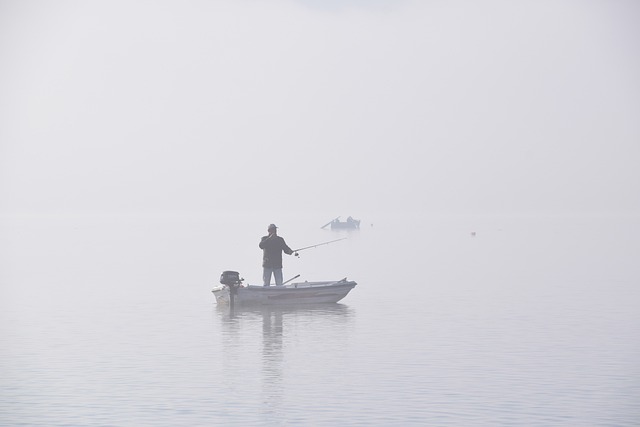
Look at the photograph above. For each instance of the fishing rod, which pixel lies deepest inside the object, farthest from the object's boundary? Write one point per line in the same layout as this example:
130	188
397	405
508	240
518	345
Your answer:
314	246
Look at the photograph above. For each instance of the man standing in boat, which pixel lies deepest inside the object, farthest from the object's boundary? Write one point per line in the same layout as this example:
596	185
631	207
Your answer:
272	247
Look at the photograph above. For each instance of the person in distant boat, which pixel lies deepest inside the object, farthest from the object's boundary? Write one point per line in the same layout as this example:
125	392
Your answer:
272	248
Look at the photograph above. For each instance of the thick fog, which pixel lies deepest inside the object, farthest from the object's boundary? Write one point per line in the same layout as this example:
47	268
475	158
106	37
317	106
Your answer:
351	107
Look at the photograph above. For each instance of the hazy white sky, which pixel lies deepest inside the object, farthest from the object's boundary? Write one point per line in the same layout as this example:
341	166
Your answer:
348	107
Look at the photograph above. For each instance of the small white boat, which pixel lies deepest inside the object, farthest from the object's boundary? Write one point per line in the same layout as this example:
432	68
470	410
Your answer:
288	294
349	224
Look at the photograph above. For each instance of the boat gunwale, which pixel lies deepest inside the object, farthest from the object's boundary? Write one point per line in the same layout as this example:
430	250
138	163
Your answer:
301	286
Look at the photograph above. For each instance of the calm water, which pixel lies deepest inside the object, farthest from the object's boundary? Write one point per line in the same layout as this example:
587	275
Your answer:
109	321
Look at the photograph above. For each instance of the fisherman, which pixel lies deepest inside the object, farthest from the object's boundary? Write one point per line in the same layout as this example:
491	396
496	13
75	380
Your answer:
272	247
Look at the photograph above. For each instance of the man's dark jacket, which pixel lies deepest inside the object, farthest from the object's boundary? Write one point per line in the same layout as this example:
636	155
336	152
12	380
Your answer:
272	249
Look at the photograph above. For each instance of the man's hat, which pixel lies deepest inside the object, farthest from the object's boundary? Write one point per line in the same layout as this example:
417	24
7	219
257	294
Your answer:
272	227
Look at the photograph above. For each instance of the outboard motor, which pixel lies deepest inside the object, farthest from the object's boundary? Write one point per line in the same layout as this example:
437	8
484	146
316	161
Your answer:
230	278
233	281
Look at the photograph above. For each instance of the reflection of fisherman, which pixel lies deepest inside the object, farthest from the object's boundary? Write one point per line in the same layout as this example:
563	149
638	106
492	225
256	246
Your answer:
272	247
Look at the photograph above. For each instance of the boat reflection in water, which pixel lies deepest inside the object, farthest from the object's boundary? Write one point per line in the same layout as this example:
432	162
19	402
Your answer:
274	345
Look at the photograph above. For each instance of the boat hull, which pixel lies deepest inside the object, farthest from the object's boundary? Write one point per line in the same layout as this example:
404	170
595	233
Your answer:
292	294
353	225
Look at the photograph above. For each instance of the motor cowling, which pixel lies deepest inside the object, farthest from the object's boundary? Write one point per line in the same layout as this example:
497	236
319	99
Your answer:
230	278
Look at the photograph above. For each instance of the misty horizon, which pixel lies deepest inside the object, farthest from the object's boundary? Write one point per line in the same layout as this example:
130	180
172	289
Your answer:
418	107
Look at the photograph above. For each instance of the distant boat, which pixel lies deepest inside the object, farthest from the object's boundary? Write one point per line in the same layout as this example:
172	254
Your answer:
349	224
288	294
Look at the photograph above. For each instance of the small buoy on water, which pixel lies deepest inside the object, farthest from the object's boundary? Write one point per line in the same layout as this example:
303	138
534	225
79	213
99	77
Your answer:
473	234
